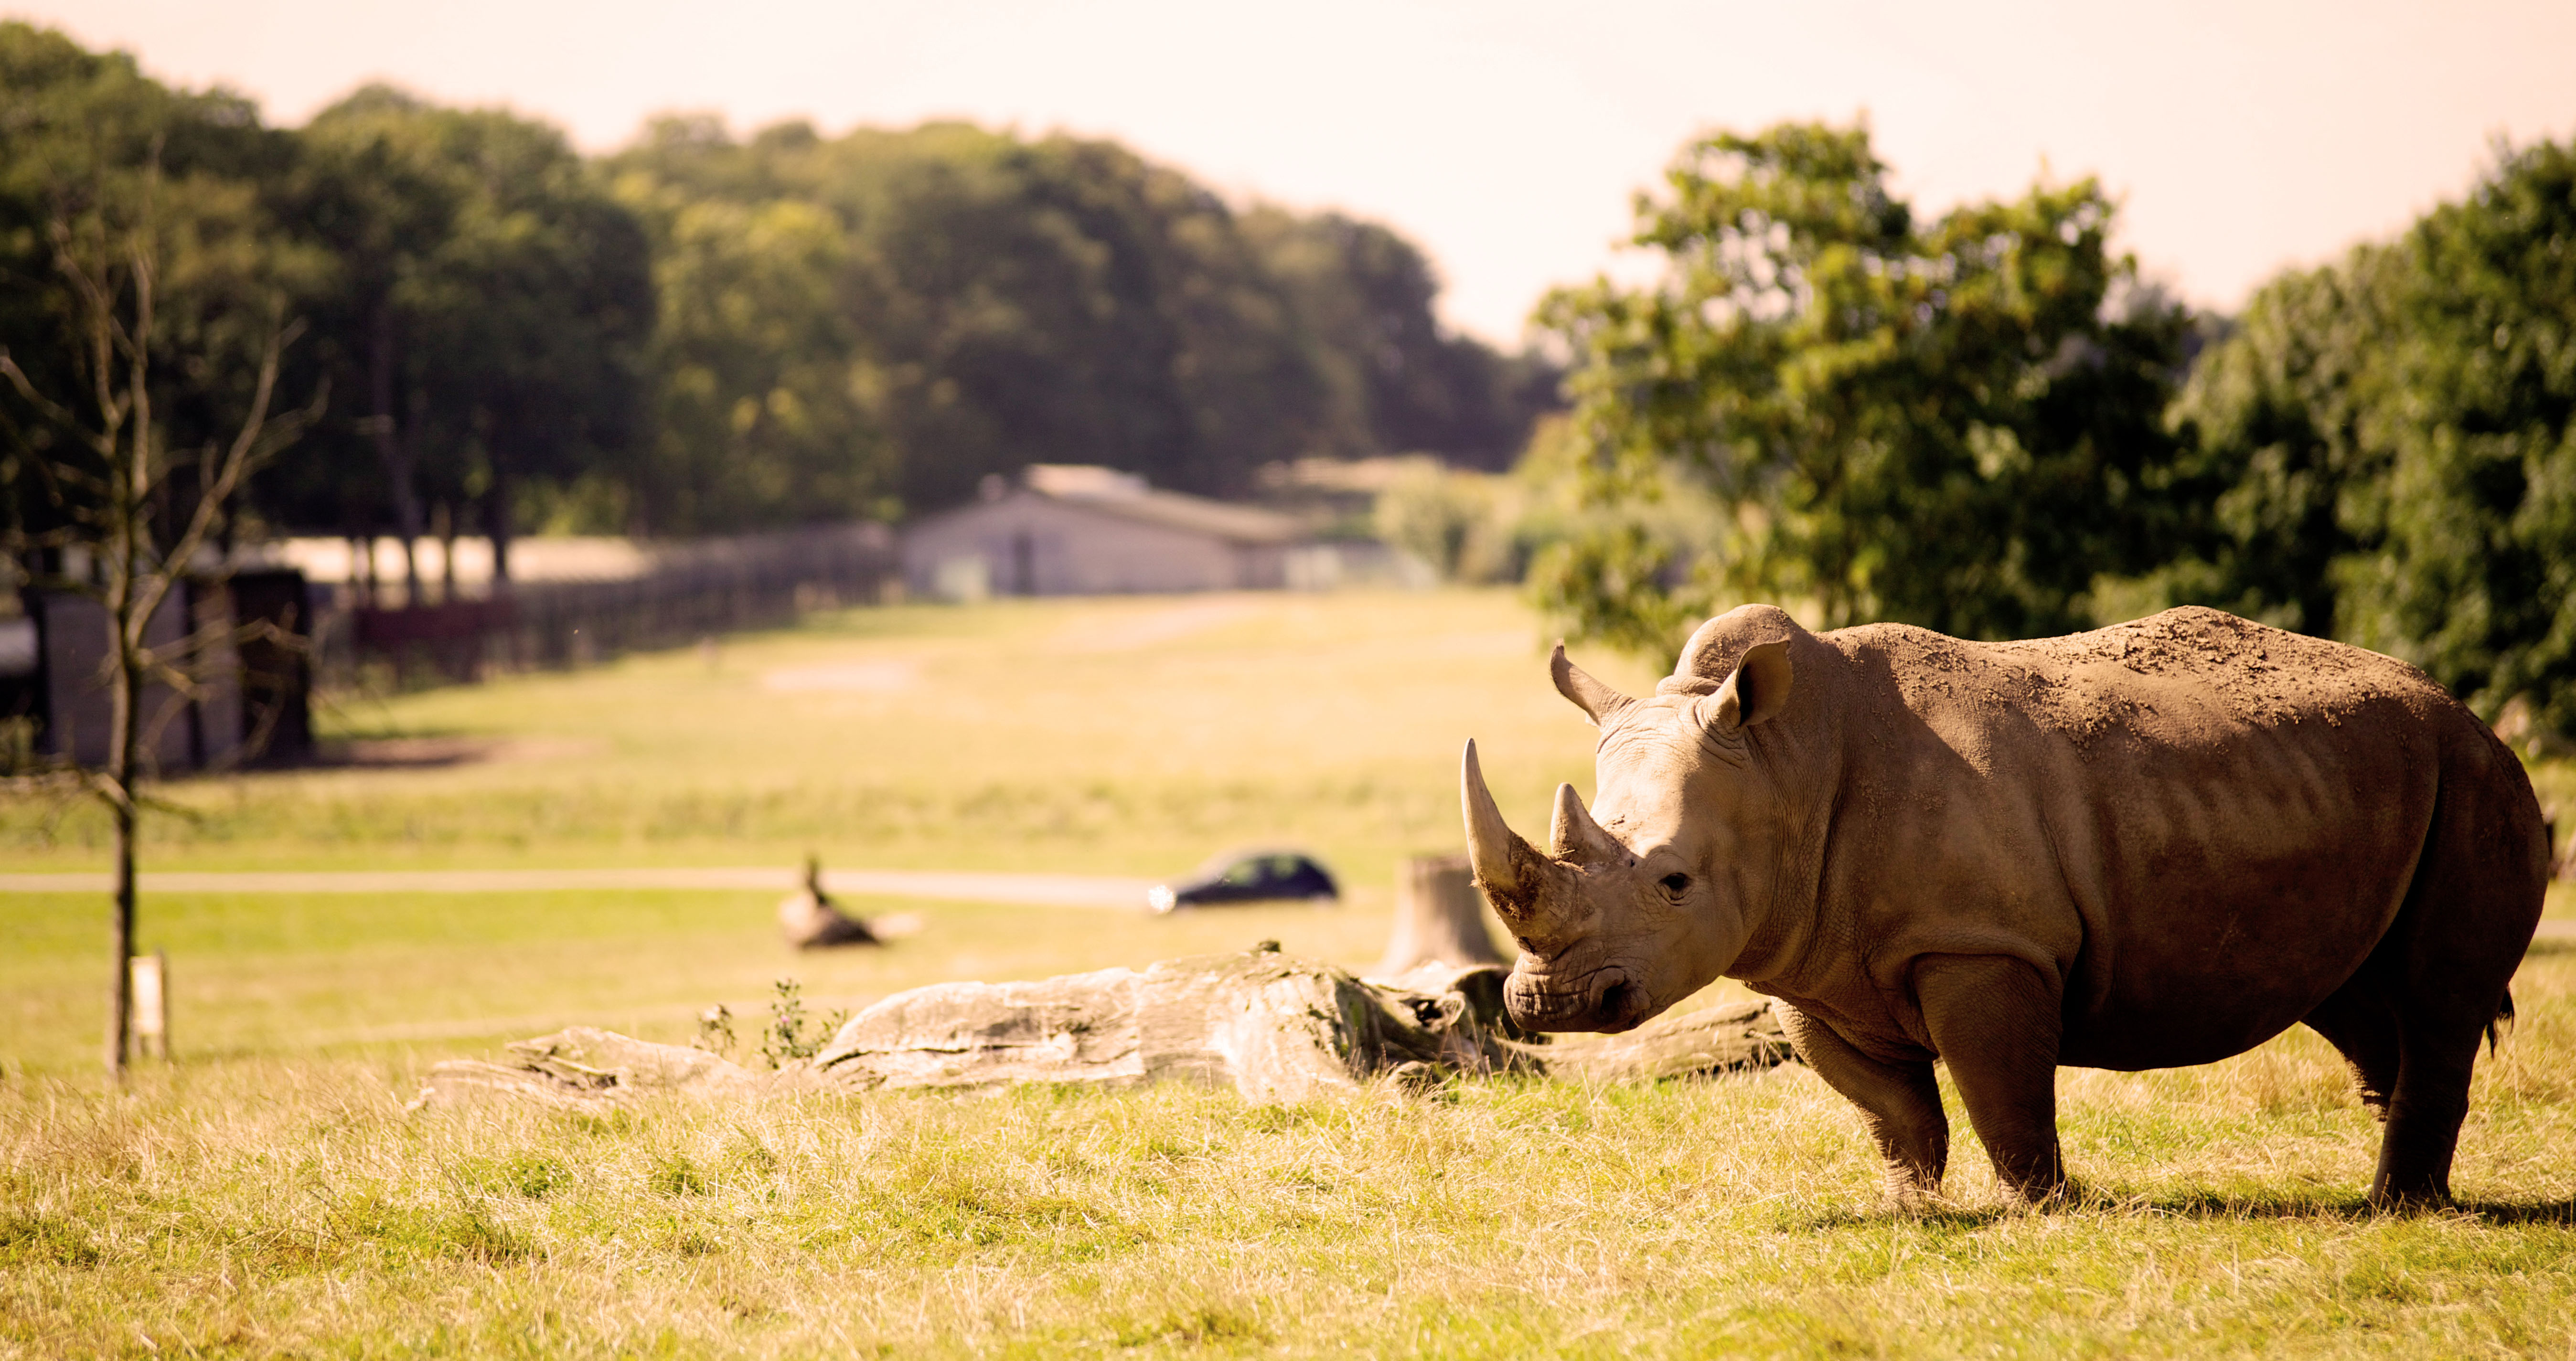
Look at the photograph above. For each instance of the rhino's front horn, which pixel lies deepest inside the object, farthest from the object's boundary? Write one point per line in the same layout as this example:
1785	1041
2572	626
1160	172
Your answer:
1507	868
1575	836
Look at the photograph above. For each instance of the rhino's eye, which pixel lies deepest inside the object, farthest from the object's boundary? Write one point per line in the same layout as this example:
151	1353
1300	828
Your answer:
1675	883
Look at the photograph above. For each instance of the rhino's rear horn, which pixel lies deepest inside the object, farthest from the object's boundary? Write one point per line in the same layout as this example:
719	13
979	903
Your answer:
1597	701
1576	837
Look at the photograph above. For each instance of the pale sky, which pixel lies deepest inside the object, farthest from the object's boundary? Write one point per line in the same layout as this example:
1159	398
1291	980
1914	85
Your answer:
1504	136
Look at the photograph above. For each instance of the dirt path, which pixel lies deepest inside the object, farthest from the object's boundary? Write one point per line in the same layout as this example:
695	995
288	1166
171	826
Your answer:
1047	890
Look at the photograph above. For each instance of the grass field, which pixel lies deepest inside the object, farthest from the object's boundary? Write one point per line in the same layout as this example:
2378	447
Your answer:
1130	737
271	1195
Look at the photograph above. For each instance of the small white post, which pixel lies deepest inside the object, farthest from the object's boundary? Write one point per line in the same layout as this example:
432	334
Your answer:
152	1005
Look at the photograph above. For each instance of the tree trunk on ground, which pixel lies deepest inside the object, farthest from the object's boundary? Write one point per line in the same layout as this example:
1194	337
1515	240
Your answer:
1719	1039
1272	1027
1439	918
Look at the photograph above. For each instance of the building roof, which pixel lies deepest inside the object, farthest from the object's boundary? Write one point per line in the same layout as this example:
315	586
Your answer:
1126	496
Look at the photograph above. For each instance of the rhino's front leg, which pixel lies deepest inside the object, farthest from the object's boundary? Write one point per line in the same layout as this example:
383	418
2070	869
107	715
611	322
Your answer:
1900	1101
1997	1022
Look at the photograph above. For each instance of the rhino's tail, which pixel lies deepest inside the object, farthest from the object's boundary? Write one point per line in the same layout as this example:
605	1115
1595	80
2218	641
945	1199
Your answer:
2502	1024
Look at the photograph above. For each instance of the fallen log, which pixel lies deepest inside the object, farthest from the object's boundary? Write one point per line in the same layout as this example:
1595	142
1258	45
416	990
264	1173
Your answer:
584	1068
1273	1027
1721	1039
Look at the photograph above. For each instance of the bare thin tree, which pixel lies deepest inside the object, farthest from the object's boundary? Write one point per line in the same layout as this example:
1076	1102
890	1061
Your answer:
139	516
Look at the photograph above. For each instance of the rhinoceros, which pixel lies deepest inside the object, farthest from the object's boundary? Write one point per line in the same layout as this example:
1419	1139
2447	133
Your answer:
2147	846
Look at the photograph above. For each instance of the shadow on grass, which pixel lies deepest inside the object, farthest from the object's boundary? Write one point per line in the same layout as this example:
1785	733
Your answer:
2561	1213
2208	1205
1959	1217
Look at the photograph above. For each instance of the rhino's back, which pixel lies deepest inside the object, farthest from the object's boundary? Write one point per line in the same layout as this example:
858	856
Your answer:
2183	676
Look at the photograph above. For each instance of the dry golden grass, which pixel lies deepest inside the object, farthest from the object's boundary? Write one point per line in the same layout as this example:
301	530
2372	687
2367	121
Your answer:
267	1207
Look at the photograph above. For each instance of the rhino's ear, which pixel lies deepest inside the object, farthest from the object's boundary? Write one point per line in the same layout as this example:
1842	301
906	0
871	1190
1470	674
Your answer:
1597	701
1756	690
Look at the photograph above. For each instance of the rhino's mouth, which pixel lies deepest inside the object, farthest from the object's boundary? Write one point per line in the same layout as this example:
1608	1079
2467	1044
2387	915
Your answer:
1605	1000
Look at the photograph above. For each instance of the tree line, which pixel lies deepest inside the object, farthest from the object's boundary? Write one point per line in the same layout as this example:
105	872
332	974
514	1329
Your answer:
1986	422
699	333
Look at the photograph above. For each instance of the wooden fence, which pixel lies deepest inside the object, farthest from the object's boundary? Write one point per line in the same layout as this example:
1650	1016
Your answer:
687	592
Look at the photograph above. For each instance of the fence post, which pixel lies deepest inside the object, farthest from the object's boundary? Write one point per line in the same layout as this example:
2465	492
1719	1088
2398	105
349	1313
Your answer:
151	1005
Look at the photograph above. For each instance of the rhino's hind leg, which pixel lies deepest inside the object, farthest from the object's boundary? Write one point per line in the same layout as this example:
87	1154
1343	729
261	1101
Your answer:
2446	961
2362	1026
2424	1116
1997	1022
1900	1101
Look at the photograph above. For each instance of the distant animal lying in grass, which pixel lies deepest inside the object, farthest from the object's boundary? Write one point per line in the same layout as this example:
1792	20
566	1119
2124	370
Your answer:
2147	846
812	921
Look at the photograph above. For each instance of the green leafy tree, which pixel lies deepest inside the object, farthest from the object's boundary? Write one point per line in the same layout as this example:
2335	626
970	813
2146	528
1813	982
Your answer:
538	316
1395	380
373	188
1063	301
2476	574
1615	568
2273	421
1955	423
764	400
976	302
2394	433
496	307
763	406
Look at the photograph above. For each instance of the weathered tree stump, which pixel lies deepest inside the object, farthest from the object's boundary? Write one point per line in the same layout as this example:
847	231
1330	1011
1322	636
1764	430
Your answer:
1272	1027
1439	918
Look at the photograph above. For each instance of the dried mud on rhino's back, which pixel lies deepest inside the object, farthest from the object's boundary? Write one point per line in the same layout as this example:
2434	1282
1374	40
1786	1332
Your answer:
2187	672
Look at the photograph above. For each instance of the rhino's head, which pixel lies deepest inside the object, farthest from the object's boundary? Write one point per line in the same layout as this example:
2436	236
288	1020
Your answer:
1647	897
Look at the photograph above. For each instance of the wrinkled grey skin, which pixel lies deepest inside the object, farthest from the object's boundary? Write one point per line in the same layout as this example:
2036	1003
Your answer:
2147	846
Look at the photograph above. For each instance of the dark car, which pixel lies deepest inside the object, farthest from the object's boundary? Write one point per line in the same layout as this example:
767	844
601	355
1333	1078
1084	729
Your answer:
1247	877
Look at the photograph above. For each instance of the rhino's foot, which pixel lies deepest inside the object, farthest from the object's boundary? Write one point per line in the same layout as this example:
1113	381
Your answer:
1911	1199
2419	1199
1914	1185
2040	1197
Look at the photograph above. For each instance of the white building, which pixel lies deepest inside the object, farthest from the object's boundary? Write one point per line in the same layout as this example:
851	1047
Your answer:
1068	530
